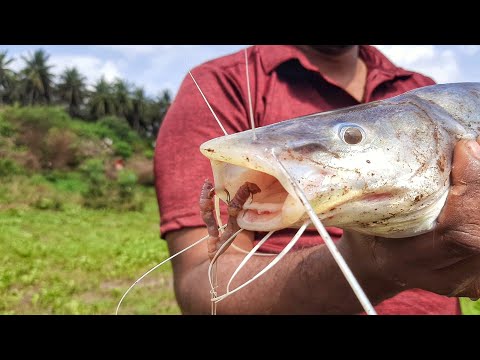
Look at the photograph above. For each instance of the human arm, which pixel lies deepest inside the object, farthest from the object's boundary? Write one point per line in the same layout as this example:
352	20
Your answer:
306	281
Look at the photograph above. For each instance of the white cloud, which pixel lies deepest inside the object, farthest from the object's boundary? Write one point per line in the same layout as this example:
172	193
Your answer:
132	51
91	67
441	65
405	55
164	66
17	64
469	49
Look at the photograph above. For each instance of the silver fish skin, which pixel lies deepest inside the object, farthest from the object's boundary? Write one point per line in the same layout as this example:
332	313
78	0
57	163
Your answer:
381	168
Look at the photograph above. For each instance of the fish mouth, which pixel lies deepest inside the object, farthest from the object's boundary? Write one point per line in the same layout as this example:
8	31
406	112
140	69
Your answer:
273	208
236	159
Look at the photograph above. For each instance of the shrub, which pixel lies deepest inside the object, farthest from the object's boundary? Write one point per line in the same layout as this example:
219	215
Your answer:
143	168
38	117
126	198
93	171
118	129
67	181
55	148
8	167
59	149
123	149
126	182
148	153
6	129
48	203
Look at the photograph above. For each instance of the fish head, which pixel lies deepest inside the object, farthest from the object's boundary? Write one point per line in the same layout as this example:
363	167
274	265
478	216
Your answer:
371	168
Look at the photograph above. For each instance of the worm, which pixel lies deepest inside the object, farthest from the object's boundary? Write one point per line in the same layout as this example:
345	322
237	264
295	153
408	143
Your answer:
207	207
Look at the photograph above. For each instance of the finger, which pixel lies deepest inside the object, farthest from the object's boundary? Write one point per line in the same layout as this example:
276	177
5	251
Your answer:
462	278
460	212
466	162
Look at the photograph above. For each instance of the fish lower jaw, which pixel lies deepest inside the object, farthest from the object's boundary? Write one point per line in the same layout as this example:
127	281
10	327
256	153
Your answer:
256	220
271	216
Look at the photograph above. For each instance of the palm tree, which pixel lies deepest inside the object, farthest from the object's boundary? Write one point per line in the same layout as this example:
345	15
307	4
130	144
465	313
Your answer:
165	100
6	76
72	90
121	94
37	78
138	108
101	100
156	111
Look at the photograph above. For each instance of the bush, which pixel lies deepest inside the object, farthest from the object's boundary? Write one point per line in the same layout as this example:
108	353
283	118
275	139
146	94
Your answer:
149	153
55	148
27	160
126	198
94	172
126	182
8	167
123	149
48	203
59	149
143	168
118	129
100	193
67	181
6	129
38	117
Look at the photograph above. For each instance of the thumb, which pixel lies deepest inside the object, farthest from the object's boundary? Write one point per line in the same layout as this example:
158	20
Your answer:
464	193
466	162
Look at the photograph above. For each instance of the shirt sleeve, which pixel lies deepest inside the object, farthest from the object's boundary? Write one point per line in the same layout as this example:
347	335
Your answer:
180	169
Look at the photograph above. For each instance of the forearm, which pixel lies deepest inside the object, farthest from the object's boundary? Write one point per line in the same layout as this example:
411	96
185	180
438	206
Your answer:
306	281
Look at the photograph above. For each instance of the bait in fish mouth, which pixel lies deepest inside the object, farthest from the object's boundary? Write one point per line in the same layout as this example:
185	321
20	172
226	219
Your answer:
235	206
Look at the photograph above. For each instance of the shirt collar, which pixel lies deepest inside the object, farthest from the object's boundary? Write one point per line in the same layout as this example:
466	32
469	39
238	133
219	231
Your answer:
274	55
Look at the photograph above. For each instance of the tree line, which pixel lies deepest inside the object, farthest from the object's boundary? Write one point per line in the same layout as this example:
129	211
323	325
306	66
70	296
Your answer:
34	84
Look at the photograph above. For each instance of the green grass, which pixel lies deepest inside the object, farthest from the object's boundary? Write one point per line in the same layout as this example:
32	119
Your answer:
72	260
80	261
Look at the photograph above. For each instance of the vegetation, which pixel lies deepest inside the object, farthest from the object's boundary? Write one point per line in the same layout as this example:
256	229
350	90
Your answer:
79	220
69	259
35	84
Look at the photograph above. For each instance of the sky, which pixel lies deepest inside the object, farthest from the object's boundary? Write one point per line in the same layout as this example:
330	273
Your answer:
161	67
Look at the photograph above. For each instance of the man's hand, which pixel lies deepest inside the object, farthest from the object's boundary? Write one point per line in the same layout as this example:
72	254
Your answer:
447	260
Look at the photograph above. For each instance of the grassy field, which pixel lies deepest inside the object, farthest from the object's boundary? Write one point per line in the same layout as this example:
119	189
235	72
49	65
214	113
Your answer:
80	261
75	260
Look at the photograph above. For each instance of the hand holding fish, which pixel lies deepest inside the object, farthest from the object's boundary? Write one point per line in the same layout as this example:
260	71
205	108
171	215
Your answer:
445	261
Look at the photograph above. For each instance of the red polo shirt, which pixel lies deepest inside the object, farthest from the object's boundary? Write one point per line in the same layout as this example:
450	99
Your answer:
284	84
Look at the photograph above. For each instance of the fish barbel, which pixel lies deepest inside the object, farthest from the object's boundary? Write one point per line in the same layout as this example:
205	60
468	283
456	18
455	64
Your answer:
381	168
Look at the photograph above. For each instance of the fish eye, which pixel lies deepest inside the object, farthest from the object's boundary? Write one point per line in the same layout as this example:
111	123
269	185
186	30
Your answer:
352	134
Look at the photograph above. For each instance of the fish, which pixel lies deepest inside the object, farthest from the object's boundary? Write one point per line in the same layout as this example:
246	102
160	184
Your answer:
380	168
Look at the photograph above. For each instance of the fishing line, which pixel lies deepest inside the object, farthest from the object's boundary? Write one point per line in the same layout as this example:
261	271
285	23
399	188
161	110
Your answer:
285	250
357	289
208	104
249	255
252	122
157	266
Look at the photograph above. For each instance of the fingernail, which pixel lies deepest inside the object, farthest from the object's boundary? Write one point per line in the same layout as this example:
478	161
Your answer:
474	148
